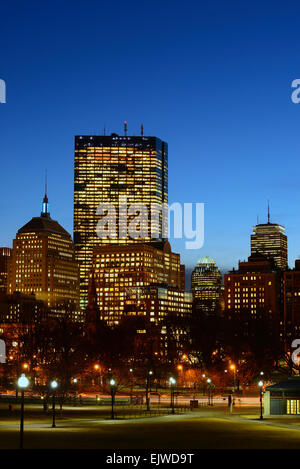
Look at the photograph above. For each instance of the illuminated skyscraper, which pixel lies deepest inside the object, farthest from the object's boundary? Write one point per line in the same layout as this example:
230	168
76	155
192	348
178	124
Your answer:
5	254
108	168
43	262
270	240
121	270
206	284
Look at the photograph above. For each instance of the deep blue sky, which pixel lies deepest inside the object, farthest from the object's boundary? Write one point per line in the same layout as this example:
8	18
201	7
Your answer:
213	79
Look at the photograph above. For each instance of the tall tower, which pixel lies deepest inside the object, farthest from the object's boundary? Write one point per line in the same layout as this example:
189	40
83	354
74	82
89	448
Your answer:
43	262
5	254
107	168
270	240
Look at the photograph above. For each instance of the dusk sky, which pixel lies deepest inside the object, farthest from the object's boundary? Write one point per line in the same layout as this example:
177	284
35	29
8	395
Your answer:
213	79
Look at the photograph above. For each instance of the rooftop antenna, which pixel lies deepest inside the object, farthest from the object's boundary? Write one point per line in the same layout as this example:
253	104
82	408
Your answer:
257	220
142	130
125	128
46	182
104	130
268	212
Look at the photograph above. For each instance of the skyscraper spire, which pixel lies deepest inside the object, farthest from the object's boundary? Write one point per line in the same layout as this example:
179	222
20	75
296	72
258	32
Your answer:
45	206
268	213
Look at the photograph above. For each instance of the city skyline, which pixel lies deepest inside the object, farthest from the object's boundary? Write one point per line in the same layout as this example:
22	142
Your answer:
204	103
149	242
194	255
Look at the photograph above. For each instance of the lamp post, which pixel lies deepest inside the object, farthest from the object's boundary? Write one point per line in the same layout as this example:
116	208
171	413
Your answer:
112	393
172	384
53	385
131	384
150	373
97	367
22	384
260	384
233	368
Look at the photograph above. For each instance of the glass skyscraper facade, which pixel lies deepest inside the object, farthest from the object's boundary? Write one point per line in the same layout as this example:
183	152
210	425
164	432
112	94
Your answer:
206	285
108	168
270	240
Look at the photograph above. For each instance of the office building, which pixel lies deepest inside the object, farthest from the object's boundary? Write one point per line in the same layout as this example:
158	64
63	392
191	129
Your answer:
206	285
113	169
167	312
254	292
5	254
157	302
120	269
43	262
270	240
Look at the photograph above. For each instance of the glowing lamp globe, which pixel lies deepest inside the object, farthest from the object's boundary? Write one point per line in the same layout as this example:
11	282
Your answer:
23	382
54	384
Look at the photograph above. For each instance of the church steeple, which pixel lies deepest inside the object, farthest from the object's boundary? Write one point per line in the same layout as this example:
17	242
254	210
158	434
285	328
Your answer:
92	309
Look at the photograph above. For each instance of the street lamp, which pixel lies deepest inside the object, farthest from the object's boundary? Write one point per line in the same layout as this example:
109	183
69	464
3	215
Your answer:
260	384
150	373
22	384
233	368
131	384
112	392
208	389
53	385
97	367
172	384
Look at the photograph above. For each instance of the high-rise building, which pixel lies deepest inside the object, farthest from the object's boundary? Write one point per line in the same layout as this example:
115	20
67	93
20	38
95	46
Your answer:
5	254
118	270
206	285
270	240
109	169
254	291
291	291
43	262
158	302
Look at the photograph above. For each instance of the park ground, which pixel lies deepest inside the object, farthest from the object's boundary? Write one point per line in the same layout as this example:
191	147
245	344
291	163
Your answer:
89	427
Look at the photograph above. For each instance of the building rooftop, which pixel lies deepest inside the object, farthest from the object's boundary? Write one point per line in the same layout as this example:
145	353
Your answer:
292	382
44	225
206	260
